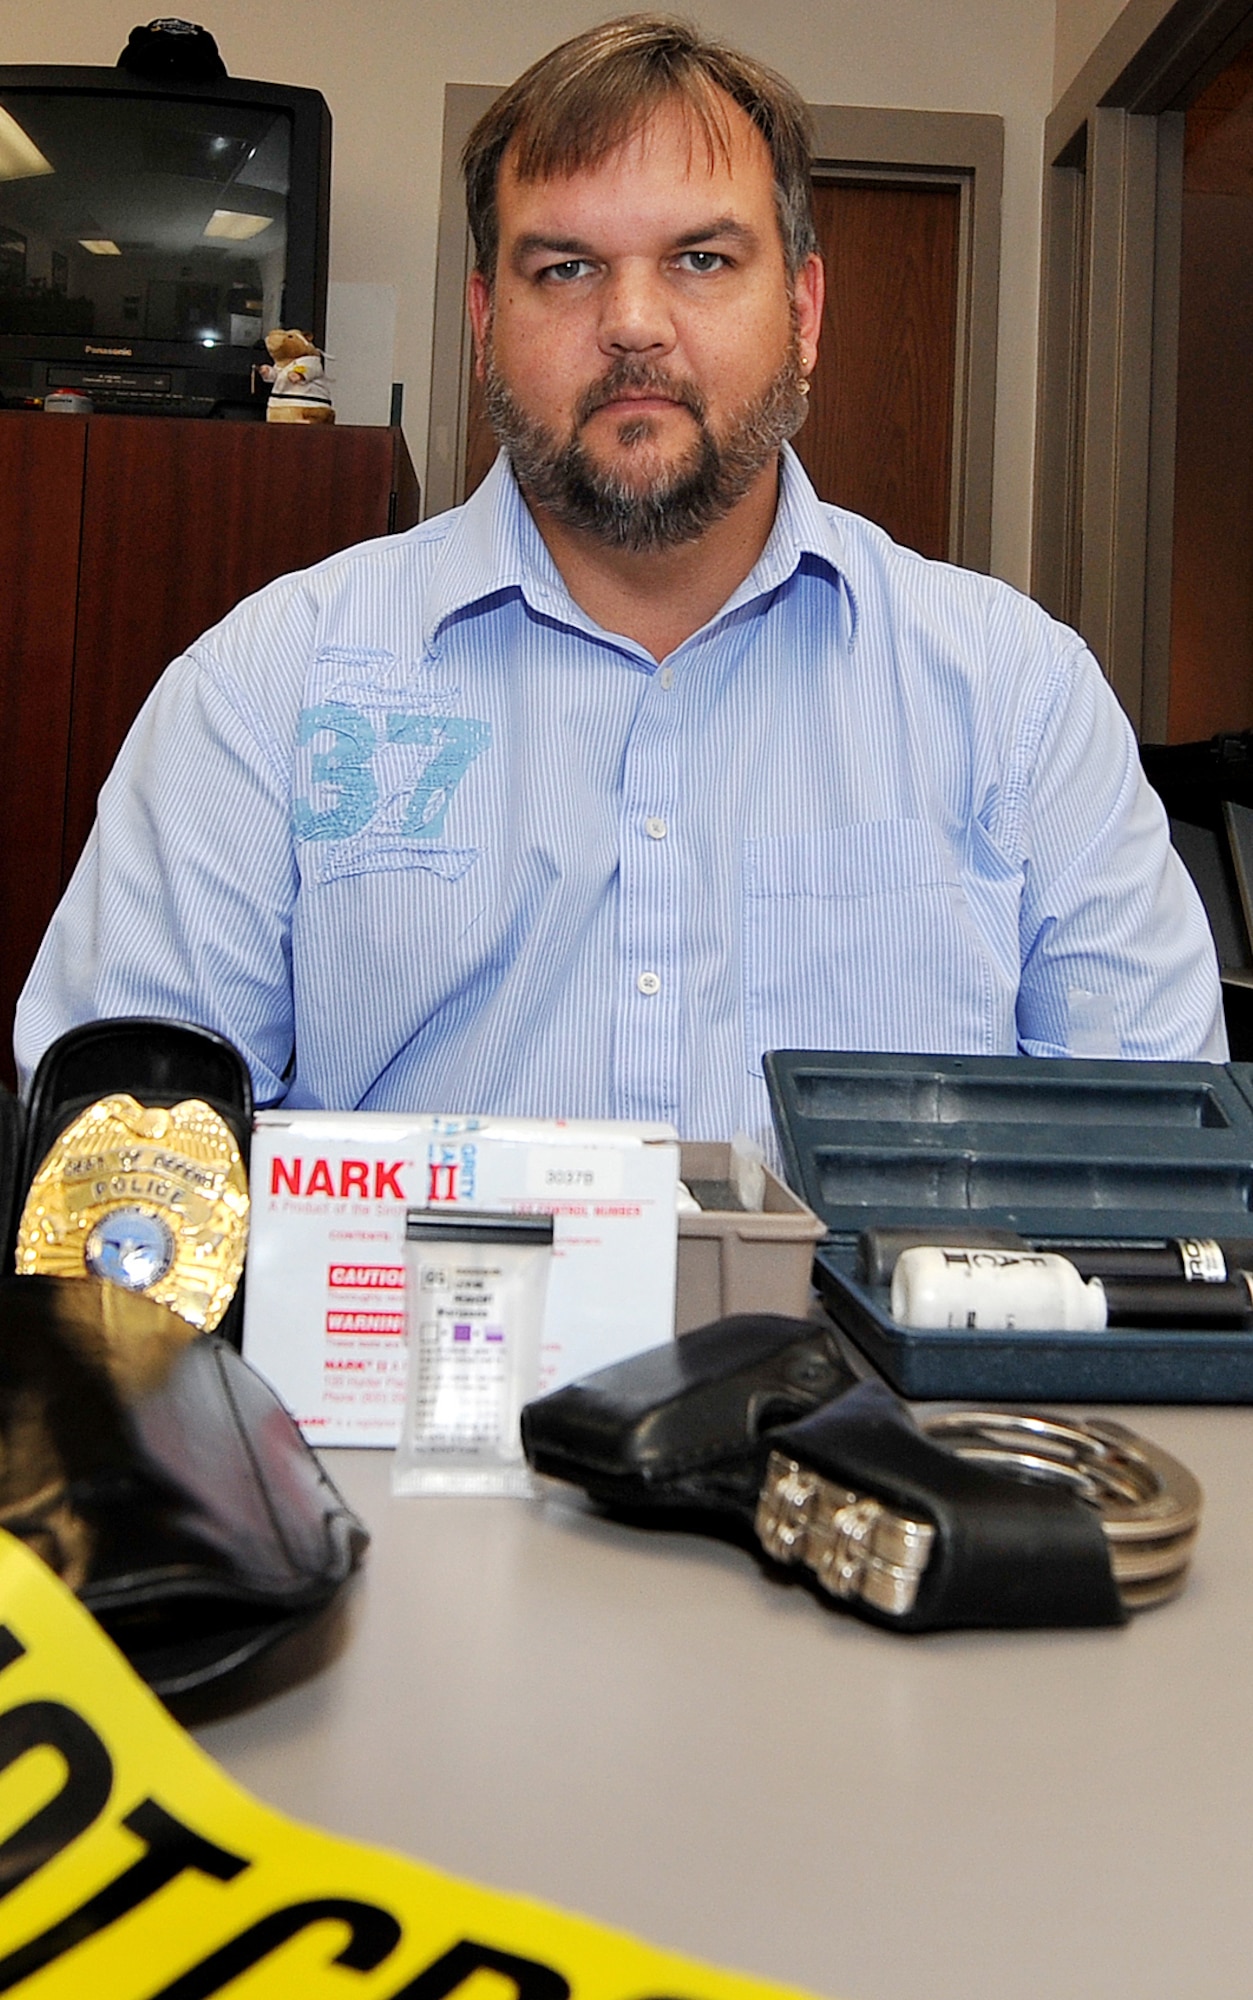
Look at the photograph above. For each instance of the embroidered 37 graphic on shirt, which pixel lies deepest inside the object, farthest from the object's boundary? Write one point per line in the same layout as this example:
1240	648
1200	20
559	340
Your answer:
383	778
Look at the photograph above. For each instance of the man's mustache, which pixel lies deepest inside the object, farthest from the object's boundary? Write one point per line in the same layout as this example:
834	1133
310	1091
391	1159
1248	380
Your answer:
644	378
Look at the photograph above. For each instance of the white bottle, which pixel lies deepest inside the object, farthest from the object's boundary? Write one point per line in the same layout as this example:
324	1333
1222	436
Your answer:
994	1291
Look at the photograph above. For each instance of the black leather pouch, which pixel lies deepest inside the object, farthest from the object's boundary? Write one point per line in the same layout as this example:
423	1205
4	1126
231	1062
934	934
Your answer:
683	1428
162	1479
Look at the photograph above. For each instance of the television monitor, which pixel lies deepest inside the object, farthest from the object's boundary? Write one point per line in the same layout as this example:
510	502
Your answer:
151	234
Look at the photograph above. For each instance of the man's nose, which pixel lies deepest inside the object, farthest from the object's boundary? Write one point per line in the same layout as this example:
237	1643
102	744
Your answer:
635	313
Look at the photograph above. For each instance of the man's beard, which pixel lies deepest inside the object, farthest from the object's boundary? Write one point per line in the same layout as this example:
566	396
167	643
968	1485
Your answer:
681	502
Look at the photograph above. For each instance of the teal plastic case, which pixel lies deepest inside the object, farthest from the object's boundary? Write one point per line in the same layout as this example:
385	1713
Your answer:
1059	1150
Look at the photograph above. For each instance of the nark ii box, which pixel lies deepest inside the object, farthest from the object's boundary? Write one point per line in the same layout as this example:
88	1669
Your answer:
324	1314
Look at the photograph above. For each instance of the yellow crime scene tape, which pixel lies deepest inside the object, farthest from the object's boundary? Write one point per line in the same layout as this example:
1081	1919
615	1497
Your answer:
133	1868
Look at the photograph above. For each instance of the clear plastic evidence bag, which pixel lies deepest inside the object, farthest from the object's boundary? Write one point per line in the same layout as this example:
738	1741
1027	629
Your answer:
475	1287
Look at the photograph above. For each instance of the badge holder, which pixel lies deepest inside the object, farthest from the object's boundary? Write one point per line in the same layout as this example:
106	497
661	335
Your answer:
163	1066
141	1457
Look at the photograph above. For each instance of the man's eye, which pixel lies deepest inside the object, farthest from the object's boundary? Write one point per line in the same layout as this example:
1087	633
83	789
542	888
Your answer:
702	261
565	272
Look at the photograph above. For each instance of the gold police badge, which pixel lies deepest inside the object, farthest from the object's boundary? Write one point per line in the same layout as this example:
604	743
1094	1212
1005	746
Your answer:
149	1197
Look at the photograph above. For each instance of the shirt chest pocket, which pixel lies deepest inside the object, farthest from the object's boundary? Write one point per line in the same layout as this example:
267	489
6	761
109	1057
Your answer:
860	937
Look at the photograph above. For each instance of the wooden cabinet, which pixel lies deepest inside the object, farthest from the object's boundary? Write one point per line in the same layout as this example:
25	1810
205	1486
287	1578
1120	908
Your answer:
121	539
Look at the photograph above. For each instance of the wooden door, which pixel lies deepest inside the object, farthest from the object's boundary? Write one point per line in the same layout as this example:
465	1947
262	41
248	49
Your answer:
1211	638
879	435
41	489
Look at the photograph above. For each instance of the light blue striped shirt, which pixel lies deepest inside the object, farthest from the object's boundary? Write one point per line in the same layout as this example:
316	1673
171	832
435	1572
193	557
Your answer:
413	832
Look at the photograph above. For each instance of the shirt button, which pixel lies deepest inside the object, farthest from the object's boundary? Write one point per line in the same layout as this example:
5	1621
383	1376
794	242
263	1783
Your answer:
648	982
666	677
656	829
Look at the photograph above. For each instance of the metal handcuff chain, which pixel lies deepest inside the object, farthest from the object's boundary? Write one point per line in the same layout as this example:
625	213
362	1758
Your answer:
1150	1504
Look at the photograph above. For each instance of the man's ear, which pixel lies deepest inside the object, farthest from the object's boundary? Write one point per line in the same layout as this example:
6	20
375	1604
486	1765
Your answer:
479	307
809	290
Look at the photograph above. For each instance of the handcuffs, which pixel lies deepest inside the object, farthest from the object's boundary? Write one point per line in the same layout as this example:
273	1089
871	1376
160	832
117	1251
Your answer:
1149	1506
754	1429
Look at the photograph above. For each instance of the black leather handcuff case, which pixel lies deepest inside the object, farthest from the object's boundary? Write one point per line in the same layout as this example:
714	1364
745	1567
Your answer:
691	1430
1008	1551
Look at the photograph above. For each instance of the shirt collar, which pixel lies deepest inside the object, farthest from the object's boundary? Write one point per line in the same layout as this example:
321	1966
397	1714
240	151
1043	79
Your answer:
494	547
804	526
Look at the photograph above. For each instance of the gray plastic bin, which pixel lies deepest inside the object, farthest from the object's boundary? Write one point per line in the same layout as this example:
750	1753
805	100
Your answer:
733	1260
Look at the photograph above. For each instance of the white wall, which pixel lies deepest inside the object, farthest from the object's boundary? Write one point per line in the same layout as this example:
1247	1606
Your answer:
382	67
1081	24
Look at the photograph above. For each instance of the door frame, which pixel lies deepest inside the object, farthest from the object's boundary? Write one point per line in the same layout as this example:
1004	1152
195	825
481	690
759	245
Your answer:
1103	516
953	148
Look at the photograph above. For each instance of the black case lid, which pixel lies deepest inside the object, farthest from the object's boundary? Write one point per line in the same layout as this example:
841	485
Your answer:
1055	1147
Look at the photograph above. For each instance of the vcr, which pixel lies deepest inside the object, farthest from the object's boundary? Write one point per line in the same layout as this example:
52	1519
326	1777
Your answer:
168	392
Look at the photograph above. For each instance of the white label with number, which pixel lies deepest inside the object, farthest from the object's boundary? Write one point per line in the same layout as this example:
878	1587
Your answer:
579	1173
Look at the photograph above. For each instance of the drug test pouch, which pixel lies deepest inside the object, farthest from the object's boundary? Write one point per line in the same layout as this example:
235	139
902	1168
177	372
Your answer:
162	1479
694	1430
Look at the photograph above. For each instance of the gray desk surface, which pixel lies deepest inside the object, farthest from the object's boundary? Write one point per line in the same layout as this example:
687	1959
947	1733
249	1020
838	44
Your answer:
644	1728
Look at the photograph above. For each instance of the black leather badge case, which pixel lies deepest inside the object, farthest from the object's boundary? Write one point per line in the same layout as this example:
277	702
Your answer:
148	1465
156	1062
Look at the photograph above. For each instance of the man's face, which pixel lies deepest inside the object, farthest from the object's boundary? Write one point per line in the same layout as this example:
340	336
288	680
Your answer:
642	349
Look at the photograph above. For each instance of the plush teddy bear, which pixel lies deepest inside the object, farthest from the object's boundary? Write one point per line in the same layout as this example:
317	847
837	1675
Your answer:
300	394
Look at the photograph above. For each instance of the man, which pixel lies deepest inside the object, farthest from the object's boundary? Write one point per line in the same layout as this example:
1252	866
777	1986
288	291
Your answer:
577	799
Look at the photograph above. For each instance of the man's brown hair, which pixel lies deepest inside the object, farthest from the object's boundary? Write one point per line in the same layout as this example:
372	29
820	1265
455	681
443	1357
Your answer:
580	102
